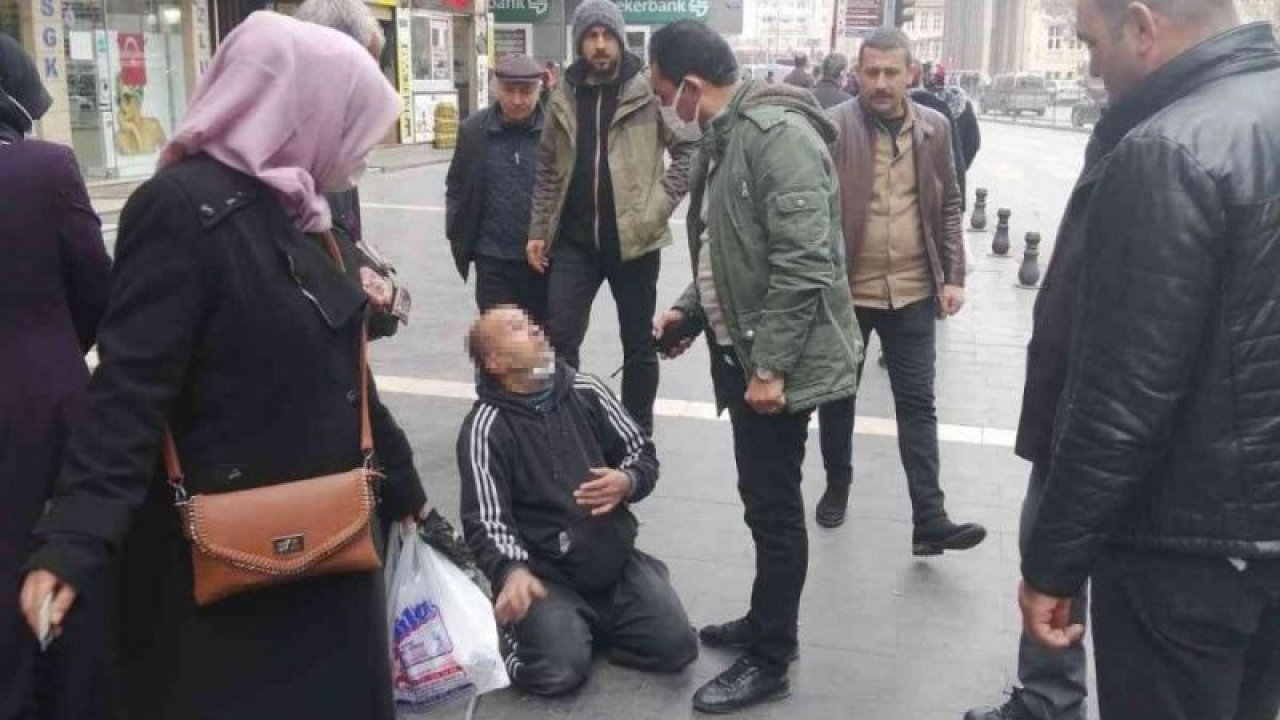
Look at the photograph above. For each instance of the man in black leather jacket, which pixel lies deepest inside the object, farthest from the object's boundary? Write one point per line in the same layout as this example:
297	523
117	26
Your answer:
1164	483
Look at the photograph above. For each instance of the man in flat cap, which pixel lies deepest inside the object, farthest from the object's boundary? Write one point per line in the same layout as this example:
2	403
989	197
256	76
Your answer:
489	188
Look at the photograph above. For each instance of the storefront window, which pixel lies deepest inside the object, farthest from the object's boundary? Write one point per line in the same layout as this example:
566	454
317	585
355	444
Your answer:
126	86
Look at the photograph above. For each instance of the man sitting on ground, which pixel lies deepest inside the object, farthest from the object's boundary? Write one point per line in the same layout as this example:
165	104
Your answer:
550	463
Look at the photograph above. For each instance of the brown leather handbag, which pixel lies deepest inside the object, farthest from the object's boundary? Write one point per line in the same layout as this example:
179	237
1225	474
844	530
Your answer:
271	535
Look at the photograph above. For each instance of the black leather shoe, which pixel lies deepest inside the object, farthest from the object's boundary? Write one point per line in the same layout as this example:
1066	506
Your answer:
943	535
733	635
744	684
833	505
1014	709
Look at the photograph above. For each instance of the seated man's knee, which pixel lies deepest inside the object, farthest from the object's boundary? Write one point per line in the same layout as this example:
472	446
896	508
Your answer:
552	674
677	650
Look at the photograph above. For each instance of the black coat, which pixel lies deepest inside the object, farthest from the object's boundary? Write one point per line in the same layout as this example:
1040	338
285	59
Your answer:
53	288
241	333
466	182
1168	437
829	95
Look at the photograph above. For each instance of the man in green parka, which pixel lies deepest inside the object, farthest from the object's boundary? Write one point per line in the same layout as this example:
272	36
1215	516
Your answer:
771	293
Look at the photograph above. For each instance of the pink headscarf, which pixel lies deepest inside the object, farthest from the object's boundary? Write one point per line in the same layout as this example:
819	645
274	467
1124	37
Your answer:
296	105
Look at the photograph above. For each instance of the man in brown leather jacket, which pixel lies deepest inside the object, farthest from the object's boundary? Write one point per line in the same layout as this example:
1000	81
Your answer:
900	204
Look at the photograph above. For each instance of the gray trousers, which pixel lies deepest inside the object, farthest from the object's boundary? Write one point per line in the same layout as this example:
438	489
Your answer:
1054	682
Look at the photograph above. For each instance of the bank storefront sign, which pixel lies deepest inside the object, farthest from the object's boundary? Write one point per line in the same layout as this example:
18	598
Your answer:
520	11
659	12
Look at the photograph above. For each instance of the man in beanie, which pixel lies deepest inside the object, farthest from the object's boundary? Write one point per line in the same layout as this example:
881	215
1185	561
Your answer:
603	198
489	187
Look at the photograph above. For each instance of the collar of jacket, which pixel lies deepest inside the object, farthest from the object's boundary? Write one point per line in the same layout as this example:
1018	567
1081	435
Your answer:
872	121
1247	48
490	391
493	123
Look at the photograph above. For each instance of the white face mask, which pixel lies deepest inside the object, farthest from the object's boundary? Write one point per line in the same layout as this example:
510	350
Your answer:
350	181
684	129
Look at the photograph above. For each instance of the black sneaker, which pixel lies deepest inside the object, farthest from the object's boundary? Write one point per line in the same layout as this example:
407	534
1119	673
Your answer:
833	505
733	635
744	684
943	535
1014	709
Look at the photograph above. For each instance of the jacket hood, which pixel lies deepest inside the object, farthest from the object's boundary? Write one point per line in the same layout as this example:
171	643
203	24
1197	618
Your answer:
755	95
23	98
490	391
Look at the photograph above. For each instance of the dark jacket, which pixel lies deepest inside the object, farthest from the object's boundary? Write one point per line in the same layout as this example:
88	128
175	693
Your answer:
467	182
53	288
938	191
773	213
829	95
1168	437
242	334
637	189
799	77
520	466
1053	318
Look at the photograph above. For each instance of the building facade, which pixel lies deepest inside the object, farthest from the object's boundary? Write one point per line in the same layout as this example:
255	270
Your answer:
927	28
542	28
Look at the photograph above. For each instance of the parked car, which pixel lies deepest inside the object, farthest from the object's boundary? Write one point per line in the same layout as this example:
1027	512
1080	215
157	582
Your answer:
763	71
1066	92
1017	93
1091	105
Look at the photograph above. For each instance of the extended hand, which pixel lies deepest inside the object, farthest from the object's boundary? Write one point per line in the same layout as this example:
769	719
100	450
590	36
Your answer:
1047	619
660	323
535	251
767	398
952	299
517	596
606	489
379	290
39	585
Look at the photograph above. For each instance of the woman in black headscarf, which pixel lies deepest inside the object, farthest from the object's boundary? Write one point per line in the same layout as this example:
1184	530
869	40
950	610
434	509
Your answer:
53	286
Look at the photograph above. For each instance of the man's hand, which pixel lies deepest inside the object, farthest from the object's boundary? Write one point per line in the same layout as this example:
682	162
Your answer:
535	251
660	323
1047	619
767	397
606	489
517	596
380	291
39	585
952	299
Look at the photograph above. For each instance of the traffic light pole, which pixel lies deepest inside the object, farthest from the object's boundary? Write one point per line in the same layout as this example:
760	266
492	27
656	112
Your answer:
890	13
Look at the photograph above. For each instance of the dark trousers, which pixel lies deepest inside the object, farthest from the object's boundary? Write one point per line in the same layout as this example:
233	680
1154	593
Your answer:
909	338
511	282
1054	682
640	622
769	450
1184	637
575	278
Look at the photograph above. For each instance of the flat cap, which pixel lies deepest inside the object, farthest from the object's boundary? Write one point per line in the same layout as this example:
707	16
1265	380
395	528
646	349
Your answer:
518	68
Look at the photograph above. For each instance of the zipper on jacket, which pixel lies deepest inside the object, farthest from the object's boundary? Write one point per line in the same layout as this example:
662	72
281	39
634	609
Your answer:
596	191
307	293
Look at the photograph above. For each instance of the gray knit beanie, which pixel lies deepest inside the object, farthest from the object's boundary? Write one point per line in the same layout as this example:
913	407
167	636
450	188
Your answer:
594	13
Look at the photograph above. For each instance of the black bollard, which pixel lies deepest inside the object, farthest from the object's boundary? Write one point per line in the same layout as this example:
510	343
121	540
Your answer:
978	220
1029	273
1000	243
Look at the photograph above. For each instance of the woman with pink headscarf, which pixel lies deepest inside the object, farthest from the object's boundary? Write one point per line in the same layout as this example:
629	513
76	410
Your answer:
229	323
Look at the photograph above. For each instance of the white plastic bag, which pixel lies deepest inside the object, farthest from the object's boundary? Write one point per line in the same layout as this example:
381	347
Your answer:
444	640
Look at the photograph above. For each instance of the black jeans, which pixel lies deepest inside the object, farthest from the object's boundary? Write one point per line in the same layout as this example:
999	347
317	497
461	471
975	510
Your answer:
909	338
511	282
1185	637
640	623
575	278
769	450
